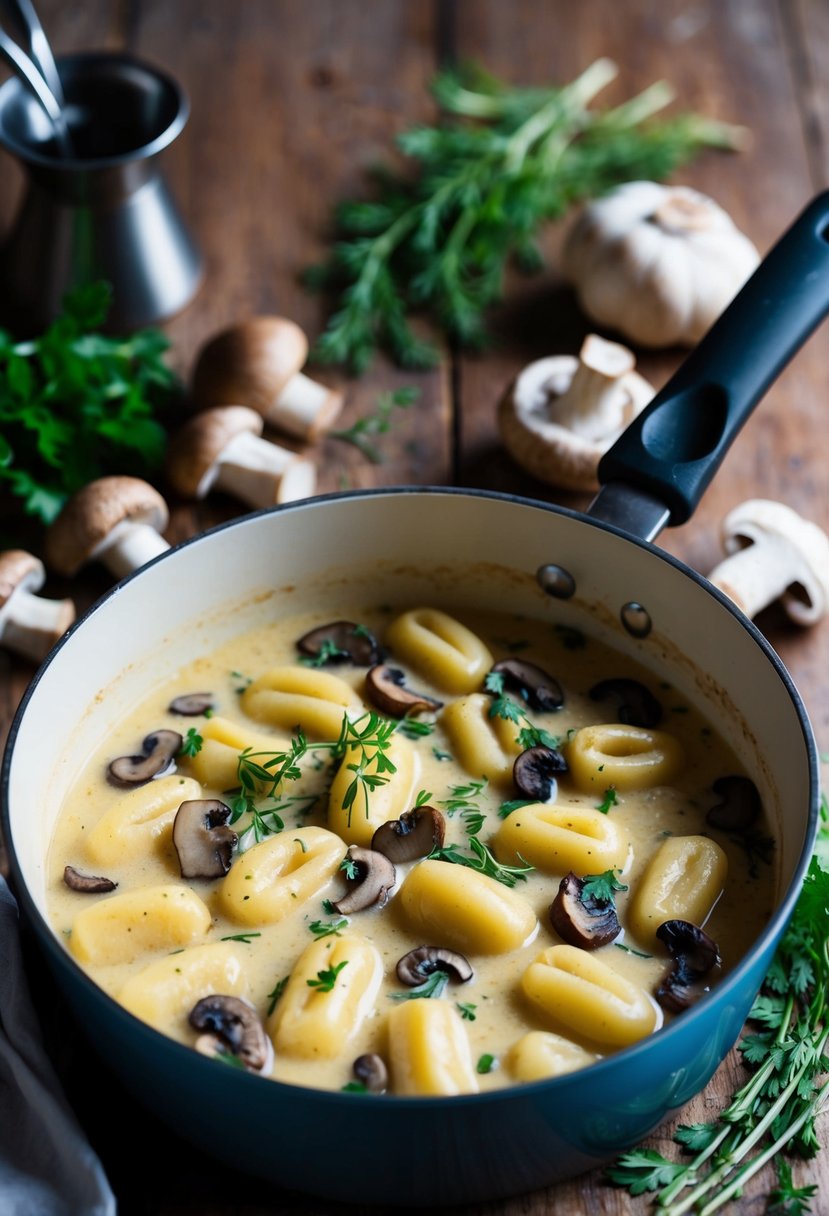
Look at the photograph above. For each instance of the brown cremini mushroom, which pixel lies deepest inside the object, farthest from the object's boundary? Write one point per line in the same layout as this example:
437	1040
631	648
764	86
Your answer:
203	841
192	704
774	555
535	772
562	413
340	642
739	807
371	1071
636	704
582	920
29	624
114	520
375	877
157	758
230	1024
89	884
533	685
387	690
222	449
257	363
694	954
415	834
415	967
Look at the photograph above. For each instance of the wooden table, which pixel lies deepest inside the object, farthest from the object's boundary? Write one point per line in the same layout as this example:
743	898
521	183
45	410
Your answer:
291	102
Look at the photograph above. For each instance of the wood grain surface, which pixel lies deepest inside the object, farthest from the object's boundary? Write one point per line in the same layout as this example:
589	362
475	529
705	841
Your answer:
292	102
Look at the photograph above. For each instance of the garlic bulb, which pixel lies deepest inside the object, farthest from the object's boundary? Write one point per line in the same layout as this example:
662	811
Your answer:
657	263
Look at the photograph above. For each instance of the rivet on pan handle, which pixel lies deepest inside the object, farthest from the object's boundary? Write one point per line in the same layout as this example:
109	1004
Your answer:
657	471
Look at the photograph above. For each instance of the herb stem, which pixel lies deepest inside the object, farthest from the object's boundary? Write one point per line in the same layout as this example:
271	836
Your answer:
572	97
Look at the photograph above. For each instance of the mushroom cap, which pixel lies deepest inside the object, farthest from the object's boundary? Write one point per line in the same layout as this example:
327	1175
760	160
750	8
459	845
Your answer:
198	444
249	362
19	569
544	448
761	519
91	514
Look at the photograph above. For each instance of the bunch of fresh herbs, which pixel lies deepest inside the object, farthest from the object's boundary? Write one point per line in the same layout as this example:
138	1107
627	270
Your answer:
76	405
437	236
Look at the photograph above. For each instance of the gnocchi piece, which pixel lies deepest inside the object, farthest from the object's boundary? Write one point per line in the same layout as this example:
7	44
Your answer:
139	822
539	1054
132	923
332	990
682	881
300	698
581	993
358	822
486	747
625	757
560	838
429	1050
280	875
215	765
164	992
464	909
440	649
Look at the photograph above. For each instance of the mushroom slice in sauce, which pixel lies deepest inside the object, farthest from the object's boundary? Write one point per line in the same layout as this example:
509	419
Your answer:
236	1026
637	706
415	834
387	689
538	689
89	884
159	751
536	770
416	966
370	1069
340	642
582	920
192	704
375	878
202	839
739	806
694	954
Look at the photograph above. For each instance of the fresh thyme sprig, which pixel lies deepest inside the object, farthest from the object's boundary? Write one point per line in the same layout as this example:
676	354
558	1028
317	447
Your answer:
361	433
482	859
483	182
506	707
776	1111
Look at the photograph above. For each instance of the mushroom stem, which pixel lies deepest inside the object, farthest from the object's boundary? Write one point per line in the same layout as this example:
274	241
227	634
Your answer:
32	624
597	403
757	575
304	408
261	473
129	546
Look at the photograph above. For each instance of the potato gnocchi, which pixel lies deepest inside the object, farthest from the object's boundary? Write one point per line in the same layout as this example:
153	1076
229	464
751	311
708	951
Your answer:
377	858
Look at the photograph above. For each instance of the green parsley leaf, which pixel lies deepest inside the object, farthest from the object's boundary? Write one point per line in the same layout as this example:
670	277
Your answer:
486	1063
601	887
328	928
608	801
327	977
192	743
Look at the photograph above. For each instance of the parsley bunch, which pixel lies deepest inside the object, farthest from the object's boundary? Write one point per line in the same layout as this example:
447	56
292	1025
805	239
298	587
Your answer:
777	1109
437	239
75	405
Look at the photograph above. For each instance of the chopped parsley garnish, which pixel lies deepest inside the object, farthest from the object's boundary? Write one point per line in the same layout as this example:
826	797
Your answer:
414	728
241	937
327	978
328	928
486	1063
433	986
601	887
610	799
514	804
276	993
467	1010
192	743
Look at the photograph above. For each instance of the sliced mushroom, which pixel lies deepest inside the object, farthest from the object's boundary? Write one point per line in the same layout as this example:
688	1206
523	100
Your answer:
203	841
341	642
370	1069
236	1025
375	878
415	834
694	954
416	966
536	770
538	689
158	753
192	704
387	690
88	883
739	806
581	920
637	706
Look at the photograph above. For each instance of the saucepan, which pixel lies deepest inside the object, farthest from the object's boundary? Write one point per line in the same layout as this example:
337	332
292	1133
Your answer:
599	573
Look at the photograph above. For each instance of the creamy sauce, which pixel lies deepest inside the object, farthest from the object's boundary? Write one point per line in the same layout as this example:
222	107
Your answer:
502	1014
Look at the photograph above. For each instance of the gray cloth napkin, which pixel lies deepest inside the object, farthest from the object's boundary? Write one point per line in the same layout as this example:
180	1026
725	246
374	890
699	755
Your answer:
47	1166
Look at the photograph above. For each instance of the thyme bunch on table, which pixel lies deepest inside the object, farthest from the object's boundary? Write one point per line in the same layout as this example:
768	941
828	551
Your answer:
773	1116
437	236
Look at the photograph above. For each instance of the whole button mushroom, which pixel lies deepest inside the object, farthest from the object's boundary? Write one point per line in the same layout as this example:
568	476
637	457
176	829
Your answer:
114	520
222	449
775	554
561	414
257	363
29	624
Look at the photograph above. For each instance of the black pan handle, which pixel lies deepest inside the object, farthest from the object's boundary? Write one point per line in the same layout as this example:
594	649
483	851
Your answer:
675	446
